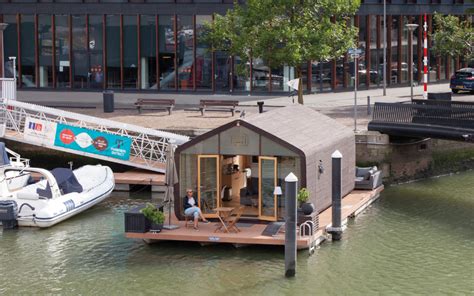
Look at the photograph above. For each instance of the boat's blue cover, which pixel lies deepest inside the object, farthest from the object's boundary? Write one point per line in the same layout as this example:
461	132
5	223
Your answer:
66	180
4	160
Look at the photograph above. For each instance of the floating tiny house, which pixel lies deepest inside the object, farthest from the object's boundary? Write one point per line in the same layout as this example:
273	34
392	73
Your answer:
241	163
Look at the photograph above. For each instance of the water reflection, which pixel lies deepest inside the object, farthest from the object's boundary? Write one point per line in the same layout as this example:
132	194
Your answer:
414	240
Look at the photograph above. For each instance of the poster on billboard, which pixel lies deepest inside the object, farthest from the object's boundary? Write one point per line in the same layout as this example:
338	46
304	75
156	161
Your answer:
39	131
91	141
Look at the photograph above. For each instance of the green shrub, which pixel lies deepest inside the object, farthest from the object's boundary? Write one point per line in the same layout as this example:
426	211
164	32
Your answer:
153	214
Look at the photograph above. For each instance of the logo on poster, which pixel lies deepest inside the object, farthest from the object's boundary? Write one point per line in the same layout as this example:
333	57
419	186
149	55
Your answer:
66	136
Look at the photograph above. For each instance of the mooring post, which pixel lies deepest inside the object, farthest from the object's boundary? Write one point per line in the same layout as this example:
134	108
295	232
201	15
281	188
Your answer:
290	225
336	228
368	105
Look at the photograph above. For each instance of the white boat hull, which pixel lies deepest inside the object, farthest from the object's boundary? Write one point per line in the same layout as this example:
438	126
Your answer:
97	182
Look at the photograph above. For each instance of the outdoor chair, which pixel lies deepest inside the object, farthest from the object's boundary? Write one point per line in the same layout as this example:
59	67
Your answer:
188	221
368	178
234	219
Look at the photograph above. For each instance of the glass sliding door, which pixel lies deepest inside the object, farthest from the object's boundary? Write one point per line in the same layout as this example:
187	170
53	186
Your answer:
267	201
208	184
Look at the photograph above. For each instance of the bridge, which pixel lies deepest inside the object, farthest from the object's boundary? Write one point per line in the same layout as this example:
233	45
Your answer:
450	120
84	135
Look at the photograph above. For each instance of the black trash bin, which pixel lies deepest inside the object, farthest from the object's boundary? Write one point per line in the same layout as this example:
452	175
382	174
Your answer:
260	106
108	101
441	96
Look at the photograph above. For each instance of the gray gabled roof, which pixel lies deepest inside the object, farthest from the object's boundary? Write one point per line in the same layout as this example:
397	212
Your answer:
302	127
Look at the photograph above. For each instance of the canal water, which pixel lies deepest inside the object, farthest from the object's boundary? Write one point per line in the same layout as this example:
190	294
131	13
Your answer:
417	239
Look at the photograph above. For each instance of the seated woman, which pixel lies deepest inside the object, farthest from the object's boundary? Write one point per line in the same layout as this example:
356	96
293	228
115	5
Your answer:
191	208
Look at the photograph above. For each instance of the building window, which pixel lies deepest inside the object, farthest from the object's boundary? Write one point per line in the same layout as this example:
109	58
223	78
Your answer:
113	50
148	52
394	52
96	69
45	47
62	51
203	63
80	65
10	43
185	51
130	51
27	51
166	51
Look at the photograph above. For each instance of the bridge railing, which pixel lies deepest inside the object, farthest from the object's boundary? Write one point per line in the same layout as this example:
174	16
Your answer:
148	146
453	114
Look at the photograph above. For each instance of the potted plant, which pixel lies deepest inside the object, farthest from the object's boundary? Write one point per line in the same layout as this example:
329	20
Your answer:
303	196
155	216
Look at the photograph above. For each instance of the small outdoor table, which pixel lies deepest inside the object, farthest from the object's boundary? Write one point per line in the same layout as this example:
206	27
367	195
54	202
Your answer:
223	213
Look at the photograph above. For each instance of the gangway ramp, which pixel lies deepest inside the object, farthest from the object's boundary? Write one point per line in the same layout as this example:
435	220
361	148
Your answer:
85	135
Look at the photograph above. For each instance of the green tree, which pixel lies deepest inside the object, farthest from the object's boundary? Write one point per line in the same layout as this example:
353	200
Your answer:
452	37
285	32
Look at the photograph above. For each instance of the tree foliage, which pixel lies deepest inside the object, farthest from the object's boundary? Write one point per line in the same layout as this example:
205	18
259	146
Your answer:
285	32
452	37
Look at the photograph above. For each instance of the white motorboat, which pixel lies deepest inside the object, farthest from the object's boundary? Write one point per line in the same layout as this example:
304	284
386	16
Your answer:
57	196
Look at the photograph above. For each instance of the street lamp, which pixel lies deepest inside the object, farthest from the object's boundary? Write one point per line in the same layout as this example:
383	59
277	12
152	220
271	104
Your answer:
355	53
411	28
3	26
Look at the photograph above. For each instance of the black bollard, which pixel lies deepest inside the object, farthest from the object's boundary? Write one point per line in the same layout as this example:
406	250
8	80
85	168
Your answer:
336	228
290	225
368	105
260	106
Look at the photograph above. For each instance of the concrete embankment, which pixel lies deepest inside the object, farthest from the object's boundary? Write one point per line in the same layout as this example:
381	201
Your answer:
403	160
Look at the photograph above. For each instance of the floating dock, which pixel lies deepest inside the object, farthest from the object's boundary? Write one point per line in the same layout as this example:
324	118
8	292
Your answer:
139	177
251	234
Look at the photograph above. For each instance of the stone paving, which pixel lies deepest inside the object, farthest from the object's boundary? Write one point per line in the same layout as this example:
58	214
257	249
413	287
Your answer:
339	105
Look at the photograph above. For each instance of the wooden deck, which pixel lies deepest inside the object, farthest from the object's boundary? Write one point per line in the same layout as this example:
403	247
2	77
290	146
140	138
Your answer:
352	204
140	177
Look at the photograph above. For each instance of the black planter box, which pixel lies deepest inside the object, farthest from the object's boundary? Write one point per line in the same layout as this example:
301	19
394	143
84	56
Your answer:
135	221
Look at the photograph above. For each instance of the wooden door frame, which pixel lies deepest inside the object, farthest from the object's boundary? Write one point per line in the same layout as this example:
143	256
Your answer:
218	173
260	216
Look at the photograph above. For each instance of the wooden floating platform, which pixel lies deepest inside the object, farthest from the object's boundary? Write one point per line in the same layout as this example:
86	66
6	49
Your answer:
139	177
352	205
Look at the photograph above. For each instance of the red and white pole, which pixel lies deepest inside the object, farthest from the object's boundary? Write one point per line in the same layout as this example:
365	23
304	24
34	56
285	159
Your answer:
425	60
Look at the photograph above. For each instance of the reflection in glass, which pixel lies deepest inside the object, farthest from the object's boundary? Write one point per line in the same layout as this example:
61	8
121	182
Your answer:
45	46
240	75
203	55
166	51
148	52
222	71
130	51
405	53
208	184
27	35
96	72
185	51
62	51
80	67
113	51
260	75
267	185
394	49
362	65
10	45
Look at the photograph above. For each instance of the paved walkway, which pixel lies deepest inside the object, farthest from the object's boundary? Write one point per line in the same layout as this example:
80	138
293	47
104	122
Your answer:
337	105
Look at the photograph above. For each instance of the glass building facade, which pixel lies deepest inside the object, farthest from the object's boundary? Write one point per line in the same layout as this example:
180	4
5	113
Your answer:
157	45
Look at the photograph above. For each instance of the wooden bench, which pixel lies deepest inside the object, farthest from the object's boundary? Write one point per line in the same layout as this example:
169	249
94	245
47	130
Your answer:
166	104
217	105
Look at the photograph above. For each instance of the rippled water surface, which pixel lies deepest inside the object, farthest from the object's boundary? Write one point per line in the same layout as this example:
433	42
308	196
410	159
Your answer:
417	239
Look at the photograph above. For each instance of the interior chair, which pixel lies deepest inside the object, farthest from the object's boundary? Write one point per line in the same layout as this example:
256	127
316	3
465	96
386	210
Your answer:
234	219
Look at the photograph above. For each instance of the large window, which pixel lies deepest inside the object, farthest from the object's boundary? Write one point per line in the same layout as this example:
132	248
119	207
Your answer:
80	64
45	46
62	51
96	71
27	33
362	65
394	50
148	52
167	49
130	51
10	43
203	55
185	51
113	51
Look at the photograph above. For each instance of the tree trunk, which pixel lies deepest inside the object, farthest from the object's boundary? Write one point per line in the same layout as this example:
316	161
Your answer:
300	85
